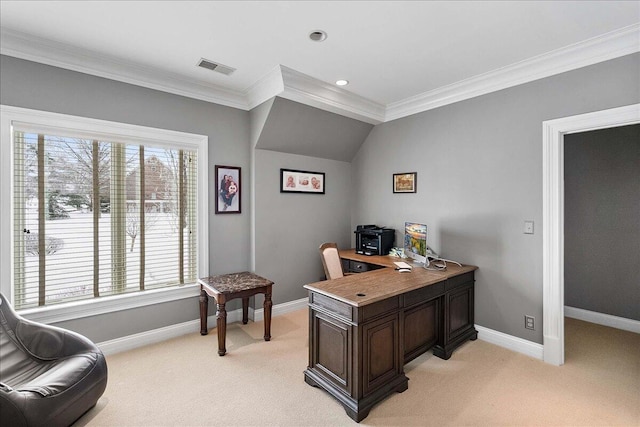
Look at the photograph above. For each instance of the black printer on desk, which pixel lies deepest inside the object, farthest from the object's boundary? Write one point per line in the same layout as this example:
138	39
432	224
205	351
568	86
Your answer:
374	240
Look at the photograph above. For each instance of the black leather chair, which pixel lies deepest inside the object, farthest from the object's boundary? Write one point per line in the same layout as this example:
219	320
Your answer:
49	376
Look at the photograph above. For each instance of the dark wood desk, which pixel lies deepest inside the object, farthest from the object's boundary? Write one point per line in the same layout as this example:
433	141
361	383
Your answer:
364	327
226	287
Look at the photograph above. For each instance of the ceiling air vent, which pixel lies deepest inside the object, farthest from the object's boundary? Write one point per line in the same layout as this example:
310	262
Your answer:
214	66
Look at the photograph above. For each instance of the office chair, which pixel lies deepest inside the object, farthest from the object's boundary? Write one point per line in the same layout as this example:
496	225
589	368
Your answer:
331	261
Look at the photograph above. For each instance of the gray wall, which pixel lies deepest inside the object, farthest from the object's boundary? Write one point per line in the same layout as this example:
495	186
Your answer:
296	128
479	165
41	87
602	226
290	226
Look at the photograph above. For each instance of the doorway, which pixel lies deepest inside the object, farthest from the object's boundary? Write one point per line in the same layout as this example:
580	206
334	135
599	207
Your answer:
553	215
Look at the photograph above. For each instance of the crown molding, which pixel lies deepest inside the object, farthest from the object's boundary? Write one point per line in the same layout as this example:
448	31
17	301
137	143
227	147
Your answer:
49	52
592	51
308	90
266	88
293	85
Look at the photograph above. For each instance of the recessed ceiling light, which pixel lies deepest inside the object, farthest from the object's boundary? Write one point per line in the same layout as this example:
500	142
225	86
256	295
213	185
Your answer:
342	82
318	36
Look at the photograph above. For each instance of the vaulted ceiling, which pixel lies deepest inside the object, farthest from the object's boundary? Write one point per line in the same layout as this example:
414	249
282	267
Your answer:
399	57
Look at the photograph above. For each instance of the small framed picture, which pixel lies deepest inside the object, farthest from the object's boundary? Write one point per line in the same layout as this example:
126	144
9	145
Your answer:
296	181
228	190
405	182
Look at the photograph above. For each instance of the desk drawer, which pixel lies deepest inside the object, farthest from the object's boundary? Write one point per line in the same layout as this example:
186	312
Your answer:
457	281
334	306
361	267
370	311
423	294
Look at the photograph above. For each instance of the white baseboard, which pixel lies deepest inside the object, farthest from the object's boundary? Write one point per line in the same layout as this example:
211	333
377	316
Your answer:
537	350
603	319
286	307
161	334
510	342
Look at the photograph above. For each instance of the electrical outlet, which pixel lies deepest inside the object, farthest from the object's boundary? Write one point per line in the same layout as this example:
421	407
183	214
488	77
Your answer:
528	227
529	322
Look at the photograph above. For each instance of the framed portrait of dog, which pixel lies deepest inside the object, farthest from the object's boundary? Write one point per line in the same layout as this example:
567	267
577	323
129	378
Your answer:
228	190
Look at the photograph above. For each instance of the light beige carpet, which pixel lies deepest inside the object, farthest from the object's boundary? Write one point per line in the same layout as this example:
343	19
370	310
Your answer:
183	382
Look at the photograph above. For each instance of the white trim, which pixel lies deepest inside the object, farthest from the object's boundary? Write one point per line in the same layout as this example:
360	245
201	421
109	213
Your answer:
161	334
122	132
553	132
598	49
88	308
141	339
266	88
45	51
316	93
603	319
510	342
293	85
287	307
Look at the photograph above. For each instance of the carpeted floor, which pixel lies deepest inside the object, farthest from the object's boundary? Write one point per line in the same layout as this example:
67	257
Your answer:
183	382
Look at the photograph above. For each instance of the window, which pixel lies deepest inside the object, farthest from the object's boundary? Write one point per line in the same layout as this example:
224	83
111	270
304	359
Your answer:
96	214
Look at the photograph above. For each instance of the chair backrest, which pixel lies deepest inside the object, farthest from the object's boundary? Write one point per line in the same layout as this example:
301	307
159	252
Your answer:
331	261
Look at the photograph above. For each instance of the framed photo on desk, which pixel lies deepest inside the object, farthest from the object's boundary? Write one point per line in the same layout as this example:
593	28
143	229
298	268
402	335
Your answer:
405	182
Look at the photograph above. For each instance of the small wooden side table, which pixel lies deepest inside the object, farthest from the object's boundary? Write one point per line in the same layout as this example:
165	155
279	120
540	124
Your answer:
226	287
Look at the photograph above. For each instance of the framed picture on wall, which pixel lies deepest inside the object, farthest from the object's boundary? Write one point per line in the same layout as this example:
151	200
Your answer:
405	182
228	190
296	181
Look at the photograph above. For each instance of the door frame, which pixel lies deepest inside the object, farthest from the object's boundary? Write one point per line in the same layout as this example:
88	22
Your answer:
553	132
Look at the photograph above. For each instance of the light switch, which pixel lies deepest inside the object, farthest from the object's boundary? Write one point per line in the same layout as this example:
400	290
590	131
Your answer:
528	227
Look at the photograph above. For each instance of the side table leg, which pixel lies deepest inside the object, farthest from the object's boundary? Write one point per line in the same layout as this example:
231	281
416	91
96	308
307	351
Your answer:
204	308
267	316
245	311
222	329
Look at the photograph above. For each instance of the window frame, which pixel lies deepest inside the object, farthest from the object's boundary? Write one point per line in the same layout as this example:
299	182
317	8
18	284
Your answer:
117	132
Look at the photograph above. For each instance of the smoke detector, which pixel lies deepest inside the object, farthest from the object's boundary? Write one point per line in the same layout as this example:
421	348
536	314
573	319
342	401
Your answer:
215	66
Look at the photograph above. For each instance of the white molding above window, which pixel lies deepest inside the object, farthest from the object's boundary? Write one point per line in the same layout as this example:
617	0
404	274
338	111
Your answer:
121	132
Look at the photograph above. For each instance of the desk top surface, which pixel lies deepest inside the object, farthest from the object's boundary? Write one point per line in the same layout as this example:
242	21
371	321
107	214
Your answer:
366	288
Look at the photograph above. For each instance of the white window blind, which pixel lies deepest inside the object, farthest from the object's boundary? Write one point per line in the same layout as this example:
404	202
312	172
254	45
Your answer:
95	217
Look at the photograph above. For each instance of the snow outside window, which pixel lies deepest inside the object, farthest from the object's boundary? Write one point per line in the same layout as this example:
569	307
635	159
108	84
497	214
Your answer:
96	217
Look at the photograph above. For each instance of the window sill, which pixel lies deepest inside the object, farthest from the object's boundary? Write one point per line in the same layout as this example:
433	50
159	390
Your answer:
79	309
